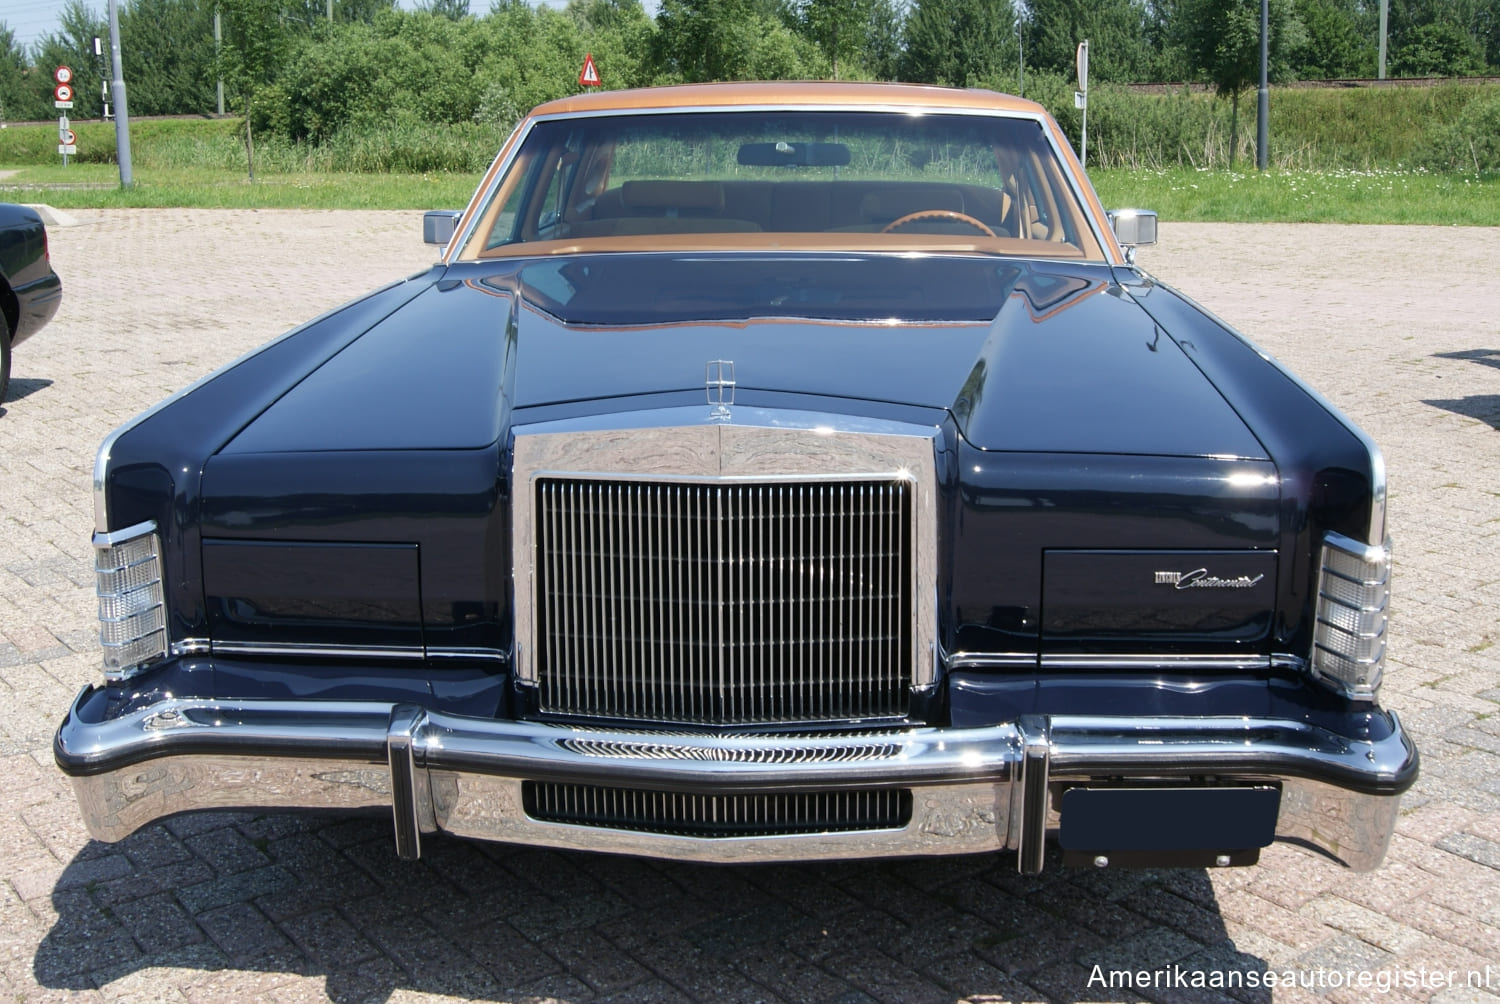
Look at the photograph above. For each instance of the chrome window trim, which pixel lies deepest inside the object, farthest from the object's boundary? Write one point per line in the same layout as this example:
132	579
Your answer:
754	447
482	198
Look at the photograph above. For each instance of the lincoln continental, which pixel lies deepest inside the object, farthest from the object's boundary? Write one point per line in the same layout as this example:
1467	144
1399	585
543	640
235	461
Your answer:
763	472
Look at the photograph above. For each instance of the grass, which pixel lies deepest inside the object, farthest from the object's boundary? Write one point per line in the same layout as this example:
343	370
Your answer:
1284	196
97	186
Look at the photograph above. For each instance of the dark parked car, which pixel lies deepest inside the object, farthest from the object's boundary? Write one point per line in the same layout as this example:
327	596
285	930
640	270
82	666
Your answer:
30	291
767	471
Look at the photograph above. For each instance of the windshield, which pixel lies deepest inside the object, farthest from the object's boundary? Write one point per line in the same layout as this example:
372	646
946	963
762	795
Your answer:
879	181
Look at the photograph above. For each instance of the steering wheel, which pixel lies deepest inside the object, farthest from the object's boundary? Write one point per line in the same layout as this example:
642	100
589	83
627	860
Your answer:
938	214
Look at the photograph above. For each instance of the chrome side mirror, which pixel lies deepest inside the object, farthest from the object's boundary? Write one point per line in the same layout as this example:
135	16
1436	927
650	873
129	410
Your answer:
438	225
1133	228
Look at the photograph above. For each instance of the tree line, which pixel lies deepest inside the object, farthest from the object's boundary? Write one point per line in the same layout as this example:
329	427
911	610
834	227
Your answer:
311	69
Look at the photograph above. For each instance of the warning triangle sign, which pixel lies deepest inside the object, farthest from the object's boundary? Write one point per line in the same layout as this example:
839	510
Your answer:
589	75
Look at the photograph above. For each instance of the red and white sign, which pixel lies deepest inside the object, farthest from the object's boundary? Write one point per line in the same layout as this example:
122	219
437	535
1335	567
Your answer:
68	138
63	92
63	75
589	75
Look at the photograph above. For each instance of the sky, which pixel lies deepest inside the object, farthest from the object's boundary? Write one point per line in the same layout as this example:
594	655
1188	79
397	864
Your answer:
32	20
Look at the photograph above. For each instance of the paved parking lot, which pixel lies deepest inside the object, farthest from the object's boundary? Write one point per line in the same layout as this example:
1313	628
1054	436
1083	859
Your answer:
1400	326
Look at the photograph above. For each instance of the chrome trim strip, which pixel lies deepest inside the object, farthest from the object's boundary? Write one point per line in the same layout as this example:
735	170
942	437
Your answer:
1084	660
488	654
1116	660
993	660
290	649
207	754
482	201
103	538
101	459
191	646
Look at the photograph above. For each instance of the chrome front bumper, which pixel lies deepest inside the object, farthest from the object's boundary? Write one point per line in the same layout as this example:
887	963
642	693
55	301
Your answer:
978	789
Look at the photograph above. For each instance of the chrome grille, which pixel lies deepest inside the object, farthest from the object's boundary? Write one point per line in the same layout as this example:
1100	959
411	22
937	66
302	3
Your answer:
717	815
723	603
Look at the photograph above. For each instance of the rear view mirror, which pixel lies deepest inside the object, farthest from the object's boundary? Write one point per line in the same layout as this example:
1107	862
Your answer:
1133	227
438	225
784	154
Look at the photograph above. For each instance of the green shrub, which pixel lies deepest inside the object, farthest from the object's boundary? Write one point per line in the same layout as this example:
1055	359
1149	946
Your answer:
1470	142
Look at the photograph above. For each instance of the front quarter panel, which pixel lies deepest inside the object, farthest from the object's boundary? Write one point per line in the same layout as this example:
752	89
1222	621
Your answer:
150	469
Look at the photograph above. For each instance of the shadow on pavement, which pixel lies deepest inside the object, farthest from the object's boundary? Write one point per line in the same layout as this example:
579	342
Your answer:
19	388
1485	407
246	902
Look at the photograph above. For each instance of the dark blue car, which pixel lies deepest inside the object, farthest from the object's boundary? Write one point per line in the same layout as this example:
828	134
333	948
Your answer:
766	472
30	292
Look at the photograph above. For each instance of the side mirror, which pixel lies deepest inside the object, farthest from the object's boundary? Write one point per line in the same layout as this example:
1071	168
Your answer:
438	225
1133	228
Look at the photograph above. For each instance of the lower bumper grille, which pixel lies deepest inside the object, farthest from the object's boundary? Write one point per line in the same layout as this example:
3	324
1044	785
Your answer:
686	815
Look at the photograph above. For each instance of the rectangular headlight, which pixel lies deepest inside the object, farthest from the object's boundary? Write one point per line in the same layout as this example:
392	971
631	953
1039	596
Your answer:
132	603
1354	592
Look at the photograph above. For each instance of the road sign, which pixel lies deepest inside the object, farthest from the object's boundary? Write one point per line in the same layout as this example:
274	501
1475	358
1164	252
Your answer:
589	75
69	138
63	93
63	75
66	149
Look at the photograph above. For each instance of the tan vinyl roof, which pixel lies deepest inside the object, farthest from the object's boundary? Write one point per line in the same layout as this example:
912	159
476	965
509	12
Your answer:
783	93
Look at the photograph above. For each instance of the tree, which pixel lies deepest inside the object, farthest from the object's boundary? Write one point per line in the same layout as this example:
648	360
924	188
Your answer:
701	40
73	47
255	43
959	42
1336	42
167	53
1119	49
18	99
453	10
882	58
1438	49
1222	41
839	28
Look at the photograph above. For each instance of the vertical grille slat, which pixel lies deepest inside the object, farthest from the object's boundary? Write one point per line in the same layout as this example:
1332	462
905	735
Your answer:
723	603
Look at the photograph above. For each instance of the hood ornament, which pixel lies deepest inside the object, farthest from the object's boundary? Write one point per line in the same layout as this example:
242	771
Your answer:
719	376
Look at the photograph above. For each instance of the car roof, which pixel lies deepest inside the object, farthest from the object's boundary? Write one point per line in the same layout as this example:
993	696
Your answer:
791	93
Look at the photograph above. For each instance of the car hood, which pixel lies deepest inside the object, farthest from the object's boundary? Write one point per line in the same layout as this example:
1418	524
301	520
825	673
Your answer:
1069	363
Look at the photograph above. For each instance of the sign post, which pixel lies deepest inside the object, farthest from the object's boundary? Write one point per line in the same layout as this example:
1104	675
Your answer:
589	75
62	98
1081	99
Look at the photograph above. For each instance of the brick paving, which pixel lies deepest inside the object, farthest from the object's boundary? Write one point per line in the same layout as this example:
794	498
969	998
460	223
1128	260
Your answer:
1400	326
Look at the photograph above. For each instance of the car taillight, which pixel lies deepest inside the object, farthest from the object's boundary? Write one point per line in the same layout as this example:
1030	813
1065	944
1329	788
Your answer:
1354	590
132	604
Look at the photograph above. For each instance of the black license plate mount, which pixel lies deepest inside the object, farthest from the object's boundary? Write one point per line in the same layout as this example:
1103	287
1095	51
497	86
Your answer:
1151	819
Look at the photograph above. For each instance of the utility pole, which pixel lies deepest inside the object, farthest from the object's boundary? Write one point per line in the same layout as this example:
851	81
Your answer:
1385	8
219	84
122	117
1020	62
1263	96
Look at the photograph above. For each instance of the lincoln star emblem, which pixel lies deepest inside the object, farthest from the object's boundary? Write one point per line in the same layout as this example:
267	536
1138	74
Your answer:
719	375
1199	578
